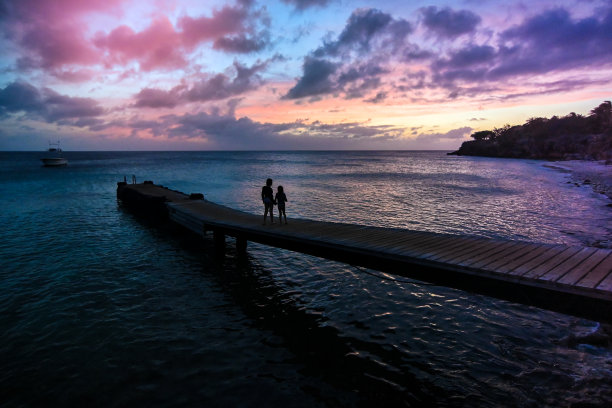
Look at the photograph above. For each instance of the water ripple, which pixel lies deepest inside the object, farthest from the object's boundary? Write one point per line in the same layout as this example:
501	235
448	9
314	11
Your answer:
101	309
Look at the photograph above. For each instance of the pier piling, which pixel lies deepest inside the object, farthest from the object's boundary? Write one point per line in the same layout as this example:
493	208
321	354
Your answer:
219	239
241	244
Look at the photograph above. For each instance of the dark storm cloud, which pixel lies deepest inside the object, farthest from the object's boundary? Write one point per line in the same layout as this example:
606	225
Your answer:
449	23
47	104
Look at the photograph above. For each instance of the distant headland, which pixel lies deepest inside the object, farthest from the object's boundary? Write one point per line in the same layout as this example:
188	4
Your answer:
572	137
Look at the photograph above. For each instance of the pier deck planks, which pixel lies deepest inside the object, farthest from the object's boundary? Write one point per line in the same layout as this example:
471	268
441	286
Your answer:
581	271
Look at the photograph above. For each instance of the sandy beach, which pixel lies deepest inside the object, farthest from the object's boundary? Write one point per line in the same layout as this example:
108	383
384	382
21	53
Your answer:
594	173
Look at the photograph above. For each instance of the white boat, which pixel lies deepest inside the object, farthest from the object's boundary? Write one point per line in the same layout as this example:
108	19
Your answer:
55	157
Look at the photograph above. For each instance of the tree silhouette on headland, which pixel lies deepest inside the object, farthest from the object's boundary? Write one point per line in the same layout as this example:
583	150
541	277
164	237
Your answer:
570	137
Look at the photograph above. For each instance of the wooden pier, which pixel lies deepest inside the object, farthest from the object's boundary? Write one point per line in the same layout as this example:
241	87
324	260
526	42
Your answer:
570	279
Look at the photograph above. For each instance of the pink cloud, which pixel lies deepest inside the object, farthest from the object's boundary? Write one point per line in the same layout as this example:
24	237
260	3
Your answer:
50	32
75	75
155	47
228	20
52	35
162	45
55	10
55	46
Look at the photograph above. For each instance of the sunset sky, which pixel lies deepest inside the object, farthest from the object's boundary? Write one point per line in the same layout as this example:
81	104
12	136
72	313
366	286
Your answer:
293	74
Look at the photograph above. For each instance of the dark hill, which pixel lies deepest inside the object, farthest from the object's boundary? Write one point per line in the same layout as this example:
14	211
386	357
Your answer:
566	138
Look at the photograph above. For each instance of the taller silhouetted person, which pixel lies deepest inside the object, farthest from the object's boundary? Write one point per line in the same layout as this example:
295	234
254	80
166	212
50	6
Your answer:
267	196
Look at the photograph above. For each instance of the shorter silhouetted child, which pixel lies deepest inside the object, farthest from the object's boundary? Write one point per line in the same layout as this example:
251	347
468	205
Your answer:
280	200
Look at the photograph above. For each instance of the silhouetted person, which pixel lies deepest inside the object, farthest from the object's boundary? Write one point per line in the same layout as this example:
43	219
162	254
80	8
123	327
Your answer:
280	200
267	196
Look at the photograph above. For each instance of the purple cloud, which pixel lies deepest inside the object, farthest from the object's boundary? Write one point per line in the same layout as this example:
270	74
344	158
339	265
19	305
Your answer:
413	52
226	21
21	96
471	63
304	4
455	134
379	97
315	80
48	104
49	32
157	98
548	42
362	28
353	63
66	107
220	86
552	41
449	23
356	72
469	56
359	89
242	43
225	131
210	88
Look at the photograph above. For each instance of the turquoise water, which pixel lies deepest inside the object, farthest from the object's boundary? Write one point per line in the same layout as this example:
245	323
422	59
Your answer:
100	308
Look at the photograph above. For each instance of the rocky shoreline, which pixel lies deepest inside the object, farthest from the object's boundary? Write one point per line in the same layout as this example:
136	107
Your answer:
597	174
571	137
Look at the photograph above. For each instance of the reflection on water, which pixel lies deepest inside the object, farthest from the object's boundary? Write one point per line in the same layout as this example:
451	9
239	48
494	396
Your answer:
100	308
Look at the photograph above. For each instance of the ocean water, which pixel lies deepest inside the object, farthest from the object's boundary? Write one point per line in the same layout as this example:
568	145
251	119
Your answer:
100	308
